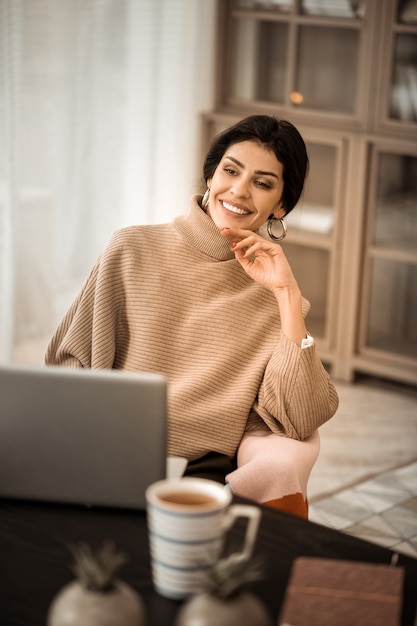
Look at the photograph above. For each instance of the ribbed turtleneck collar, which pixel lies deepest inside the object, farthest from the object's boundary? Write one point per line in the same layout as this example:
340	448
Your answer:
199	231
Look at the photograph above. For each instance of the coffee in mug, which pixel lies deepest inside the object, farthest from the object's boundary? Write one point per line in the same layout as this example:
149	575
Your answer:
187	521
190	498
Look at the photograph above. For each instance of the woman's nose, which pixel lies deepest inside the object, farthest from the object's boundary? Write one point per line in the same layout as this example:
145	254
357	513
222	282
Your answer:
240	187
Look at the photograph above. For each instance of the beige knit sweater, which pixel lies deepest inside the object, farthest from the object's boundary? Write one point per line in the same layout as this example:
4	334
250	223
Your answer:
173	299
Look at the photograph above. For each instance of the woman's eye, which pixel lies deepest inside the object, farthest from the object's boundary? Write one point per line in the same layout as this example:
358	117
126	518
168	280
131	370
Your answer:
262	183
230	170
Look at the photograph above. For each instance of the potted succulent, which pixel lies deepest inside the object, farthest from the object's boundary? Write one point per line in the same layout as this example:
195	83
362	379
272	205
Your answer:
225	600
97	597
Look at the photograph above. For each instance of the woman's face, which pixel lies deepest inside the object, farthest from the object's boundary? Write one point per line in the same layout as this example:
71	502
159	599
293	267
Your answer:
246	187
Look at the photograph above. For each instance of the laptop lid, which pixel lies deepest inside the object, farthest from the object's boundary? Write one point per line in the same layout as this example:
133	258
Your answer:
93	437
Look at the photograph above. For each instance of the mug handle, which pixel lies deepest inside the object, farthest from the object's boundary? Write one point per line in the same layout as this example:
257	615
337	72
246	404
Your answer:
253	514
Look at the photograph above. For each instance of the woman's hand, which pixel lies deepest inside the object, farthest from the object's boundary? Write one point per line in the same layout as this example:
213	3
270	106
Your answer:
266	263
262	260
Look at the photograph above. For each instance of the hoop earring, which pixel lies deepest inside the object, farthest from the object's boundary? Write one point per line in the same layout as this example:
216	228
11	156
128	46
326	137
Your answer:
283	227
205	200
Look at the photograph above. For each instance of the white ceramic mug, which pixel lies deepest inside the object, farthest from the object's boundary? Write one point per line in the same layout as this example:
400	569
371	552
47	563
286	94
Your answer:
187	520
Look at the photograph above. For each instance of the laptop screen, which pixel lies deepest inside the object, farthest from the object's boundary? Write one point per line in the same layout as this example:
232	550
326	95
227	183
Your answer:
93	437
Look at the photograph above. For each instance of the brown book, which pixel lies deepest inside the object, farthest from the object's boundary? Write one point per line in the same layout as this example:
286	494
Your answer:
331	592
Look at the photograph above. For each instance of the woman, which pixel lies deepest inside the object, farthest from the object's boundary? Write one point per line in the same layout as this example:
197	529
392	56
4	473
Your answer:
214	306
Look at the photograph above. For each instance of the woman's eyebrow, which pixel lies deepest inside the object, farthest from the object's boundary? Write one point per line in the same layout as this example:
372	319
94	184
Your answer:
258	172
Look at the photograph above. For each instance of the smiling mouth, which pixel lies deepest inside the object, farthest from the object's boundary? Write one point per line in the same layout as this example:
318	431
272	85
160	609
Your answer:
234	209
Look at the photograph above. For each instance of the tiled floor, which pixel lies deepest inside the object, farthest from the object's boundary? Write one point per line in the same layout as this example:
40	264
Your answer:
382	510
365	480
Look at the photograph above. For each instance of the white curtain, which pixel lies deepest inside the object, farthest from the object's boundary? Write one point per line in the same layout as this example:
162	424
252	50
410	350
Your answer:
100	112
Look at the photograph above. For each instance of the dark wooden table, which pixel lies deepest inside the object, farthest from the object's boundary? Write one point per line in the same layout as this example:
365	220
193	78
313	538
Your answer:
35	559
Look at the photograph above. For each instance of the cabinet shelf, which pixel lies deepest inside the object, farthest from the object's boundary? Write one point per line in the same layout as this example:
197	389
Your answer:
327	20
306	240
313	218
395	254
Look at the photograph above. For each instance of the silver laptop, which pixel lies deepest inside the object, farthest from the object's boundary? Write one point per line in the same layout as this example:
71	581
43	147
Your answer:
91	437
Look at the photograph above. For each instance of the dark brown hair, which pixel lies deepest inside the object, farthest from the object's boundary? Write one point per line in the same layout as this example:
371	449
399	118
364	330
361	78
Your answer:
280	137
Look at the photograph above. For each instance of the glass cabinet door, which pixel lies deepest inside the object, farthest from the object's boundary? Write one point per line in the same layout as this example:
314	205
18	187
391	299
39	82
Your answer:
259	59
319	83
390	288
391	321
403	104
398	71
291	53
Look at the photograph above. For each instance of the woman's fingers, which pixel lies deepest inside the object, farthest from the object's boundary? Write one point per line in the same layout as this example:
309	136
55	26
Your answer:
235	234
242	238
248	242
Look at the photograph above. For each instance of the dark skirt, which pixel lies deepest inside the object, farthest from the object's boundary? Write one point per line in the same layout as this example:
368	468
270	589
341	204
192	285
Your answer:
214	466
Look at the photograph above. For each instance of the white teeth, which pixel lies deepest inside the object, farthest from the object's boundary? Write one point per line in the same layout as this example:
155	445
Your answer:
234	209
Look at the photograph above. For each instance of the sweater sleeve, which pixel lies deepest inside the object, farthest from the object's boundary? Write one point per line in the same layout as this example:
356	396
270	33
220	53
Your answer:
296	395
86	337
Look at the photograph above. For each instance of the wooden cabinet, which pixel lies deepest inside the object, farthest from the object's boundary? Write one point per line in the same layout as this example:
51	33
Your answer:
345	73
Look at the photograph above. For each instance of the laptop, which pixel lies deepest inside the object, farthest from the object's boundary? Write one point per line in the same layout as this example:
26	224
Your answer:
79	436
